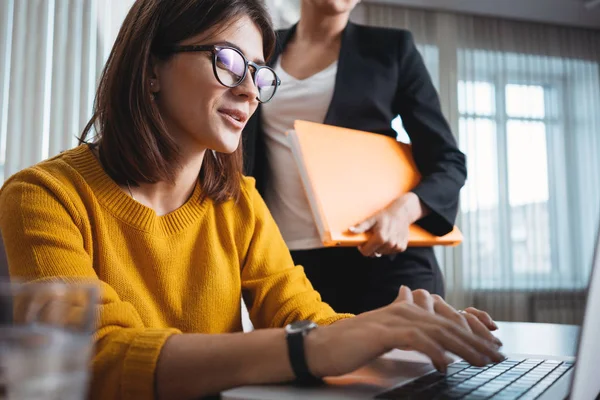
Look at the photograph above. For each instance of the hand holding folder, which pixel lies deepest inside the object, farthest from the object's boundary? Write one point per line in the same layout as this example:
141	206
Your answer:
349	175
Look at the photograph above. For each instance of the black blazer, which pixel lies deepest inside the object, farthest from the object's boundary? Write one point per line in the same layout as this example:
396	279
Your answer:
381	74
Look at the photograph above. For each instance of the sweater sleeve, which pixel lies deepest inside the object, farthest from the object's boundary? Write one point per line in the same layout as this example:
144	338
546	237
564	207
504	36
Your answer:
275	291
47	236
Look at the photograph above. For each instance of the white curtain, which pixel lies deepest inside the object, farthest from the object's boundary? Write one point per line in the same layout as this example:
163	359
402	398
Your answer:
51	55
283	12
523	100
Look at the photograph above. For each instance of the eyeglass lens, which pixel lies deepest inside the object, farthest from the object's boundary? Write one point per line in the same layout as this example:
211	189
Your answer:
230	66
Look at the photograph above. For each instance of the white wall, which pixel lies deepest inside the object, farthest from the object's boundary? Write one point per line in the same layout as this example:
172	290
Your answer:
563	12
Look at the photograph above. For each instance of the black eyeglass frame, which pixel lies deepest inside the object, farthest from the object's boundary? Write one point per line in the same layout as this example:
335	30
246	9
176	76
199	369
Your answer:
214	49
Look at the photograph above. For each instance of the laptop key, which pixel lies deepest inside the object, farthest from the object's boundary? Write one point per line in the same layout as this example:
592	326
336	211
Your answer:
494	385
452	369
430	379
485	391
472	396
459	391
515	391
450	396
505	396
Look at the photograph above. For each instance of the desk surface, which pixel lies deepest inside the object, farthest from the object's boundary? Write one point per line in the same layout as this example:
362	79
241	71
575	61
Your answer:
534	338
527	339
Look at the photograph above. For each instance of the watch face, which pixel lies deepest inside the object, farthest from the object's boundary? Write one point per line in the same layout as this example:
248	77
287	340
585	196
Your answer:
300	326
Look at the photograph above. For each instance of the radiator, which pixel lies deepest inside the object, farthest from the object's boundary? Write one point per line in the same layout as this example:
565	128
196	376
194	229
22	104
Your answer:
560	307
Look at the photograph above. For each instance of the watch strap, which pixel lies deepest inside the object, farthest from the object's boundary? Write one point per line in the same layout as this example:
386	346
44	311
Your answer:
298	359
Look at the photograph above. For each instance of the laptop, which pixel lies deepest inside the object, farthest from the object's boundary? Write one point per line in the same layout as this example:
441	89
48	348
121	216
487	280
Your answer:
543	377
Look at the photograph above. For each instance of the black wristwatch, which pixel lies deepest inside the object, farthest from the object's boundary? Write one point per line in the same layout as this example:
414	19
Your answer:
295	333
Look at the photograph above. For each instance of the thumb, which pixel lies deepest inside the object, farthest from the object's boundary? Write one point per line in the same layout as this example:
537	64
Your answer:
363	226
405	294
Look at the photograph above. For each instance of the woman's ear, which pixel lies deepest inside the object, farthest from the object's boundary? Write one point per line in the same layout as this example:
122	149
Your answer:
154	76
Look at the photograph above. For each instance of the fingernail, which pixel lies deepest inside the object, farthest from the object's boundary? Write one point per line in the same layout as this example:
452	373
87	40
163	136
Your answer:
352	229
494	325
486	360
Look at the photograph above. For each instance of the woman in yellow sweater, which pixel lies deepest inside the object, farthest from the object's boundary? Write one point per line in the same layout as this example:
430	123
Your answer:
156	210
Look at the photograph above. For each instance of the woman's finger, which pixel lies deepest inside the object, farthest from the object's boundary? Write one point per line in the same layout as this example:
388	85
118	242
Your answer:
400	247
369	248
447	311
446	326
483	317
490	349
382	250
461	346
364	226
480	329
424	300
415	339
405	295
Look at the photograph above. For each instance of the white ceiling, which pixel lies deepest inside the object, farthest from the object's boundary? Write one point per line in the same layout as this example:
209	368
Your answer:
563	12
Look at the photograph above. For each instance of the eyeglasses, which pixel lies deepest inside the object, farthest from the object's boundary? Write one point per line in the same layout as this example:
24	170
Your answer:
230	67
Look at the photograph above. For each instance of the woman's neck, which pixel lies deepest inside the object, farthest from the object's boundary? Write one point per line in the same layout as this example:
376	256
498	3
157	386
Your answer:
166	197
318	28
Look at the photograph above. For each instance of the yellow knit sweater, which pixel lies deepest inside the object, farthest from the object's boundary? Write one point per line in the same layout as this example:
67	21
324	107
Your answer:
182	272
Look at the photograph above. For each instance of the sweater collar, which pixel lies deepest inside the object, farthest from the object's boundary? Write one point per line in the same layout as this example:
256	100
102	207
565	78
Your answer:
122	206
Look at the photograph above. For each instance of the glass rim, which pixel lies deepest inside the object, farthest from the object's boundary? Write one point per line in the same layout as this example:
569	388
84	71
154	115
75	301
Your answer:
16	283
257	68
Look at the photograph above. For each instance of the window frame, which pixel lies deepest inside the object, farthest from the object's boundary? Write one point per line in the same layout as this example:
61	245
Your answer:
555	86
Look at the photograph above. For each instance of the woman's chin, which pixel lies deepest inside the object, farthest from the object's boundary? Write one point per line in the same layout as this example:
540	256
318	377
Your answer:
227	147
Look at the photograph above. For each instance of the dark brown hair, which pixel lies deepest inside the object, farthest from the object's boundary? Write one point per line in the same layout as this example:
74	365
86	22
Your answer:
134	144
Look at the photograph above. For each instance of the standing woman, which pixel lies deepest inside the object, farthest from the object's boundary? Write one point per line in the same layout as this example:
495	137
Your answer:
339	73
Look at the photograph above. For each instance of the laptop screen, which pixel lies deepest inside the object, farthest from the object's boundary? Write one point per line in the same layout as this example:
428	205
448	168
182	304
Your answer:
586	384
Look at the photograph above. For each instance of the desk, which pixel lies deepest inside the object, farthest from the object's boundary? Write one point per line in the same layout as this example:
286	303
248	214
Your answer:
533	339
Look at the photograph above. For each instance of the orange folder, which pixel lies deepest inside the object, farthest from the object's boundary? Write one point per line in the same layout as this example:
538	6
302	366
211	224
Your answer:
349	175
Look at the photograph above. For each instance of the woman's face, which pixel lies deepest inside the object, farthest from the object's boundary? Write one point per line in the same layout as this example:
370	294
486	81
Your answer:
199	112
332	7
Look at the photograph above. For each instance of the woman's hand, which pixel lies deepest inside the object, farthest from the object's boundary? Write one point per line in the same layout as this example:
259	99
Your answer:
474	320
389	227
428	325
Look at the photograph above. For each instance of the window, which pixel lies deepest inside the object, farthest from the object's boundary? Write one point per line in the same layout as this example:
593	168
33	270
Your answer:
512	116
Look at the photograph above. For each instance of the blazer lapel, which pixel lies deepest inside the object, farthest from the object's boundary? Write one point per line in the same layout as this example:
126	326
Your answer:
344	69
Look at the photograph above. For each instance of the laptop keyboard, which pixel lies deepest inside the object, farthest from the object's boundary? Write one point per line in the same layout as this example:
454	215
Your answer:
524	379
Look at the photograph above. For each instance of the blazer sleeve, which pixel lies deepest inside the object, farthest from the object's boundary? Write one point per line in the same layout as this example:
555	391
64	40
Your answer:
441	163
